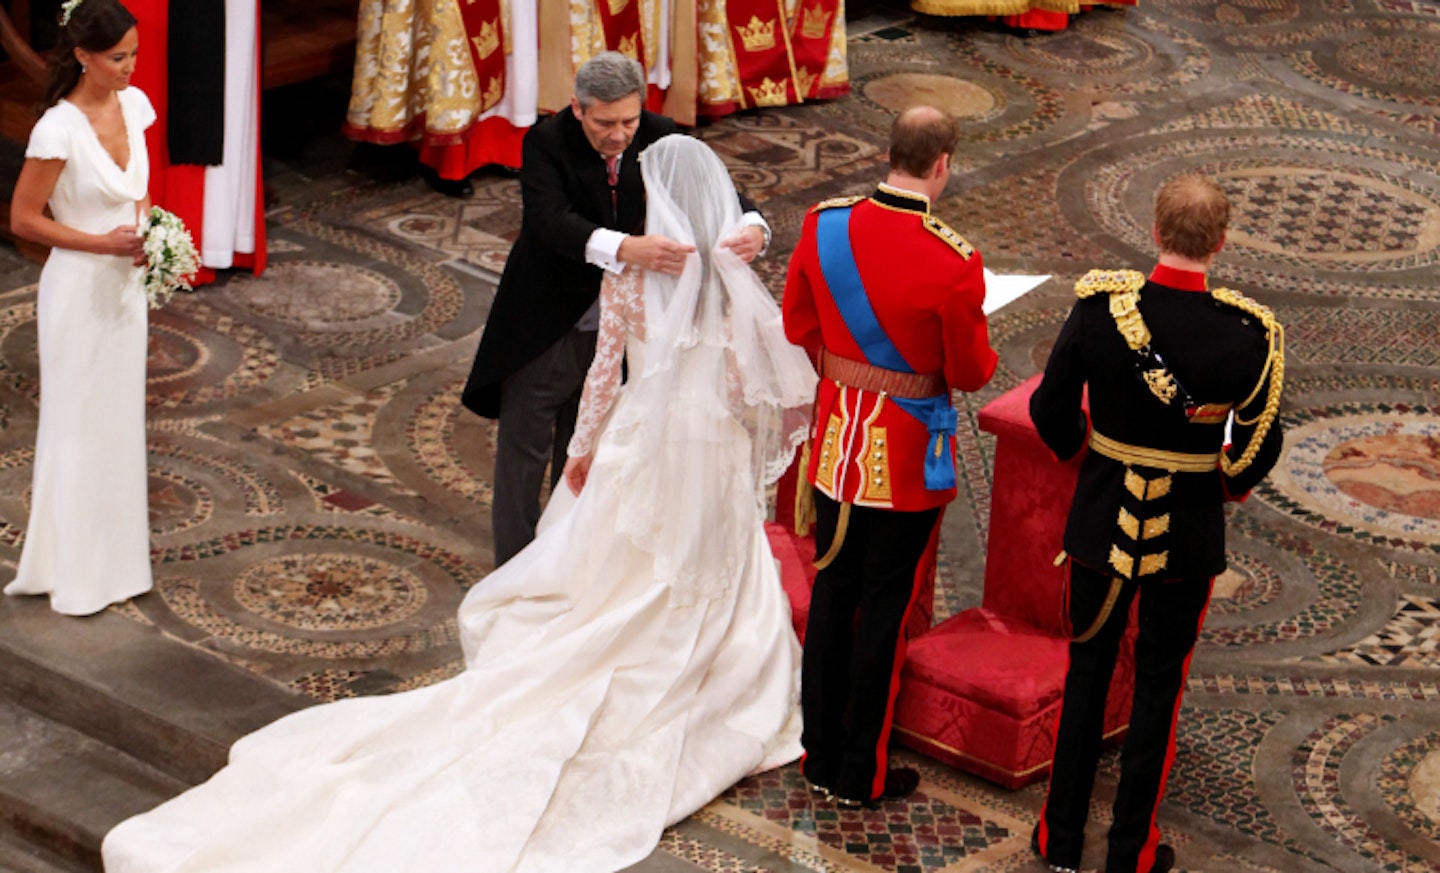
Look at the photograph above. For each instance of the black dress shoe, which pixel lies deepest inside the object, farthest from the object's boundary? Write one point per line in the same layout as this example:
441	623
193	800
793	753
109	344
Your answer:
818	789
459	188
1164	859
1035	847
899	782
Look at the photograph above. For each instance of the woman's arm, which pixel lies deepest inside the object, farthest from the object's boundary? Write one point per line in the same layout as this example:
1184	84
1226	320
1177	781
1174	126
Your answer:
602	382
29	221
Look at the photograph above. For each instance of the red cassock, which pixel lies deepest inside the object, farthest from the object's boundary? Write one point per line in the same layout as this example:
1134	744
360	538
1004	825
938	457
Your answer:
926	286
180	188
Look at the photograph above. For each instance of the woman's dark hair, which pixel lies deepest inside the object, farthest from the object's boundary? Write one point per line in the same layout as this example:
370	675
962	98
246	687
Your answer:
94	25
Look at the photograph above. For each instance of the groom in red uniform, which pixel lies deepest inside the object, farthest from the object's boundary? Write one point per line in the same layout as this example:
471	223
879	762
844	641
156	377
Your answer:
887	297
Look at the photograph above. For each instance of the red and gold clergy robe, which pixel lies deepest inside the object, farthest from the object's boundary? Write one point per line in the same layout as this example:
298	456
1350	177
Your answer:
1023	14
926	286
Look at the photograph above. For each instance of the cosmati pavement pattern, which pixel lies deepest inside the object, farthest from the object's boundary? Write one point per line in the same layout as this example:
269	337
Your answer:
320	503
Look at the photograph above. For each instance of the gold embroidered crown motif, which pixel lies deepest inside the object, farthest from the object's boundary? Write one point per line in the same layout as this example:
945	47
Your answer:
628	48
493	92
803	80
757	36
488	40
812	21
1161	384
769	93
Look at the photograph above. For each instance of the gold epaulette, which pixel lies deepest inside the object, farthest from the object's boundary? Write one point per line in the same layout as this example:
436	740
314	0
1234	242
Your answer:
949	236
1274	371
1123	286
835	202
1109	282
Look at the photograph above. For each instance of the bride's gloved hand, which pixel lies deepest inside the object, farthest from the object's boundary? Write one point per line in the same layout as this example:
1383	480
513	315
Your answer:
577	470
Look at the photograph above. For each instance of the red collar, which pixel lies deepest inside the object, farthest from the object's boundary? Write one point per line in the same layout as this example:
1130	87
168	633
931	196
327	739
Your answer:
1184	280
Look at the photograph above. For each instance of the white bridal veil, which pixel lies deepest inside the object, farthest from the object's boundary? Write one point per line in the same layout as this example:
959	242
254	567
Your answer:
720	399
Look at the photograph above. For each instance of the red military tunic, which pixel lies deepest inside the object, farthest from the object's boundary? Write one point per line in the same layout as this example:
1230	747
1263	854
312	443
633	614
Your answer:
926	286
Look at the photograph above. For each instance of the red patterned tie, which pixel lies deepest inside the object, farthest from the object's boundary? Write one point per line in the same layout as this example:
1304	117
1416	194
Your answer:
612	175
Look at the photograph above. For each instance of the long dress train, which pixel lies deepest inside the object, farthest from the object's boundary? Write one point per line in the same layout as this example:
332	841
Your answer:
622	671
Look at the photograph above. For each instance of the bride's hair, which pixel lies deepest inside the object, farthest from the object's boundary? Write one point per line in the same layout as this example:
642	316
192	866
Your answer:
95	26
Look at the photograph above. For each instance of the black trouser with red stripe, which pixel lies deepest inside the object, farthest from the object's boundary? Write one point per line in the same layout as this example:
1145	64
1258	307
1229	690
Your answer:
855	642
1171	613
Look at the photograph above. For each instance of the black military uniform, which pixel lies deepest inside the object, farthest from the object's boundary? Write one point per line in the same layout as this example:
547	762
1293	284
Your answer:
1166	362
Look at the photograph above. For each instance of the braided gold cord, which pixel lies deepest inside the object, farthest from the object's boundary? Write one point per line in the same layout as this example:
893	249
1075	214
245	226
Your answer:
1274	368
1125	308
1123	286
1108	282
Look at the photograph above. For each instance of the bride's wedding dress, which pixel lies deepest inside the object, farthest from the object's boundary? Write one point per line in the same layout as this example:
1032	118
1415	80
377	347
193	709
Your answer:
625	669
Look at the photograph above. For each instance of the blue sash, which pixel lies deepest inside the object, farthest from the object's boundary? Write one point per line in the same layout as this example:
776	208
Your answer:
837	263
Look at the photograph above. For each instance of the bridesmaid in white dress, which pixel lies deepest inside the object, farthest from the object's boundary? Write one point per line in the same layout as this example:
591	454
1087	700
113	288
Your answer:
622	671
88	541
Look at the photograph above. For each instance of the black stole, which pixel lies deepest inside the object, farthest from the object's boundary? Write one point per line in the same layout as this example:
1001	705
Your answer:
197	81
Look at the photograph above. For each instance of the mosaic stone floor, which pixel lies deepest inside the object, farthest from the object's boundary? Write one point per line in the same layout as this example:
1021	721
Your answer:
319	502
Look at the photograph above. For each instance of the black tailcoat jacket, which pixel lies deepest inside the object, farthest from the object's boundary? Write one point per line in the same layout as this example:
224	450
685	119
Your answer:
547	285
1150	497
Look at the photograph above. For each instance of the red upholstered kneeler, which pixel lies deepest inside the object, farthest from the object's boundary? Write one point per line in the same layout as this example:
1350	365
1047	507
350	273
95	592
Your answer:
982	690
796	555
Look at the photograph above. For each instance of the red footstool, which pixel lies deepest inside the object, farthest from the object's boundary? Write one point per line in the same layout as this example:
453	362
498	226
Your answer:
982	690
796	555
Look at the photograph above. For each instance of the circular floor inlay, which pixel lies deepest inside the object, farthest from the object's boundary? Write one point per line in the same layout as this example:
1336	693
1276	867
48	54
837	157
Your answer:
1425	786
1375	476
958	97
1408	780
1246	584
1300	203
1397	61
1085	48
330	592
1235	13
172	354
177	503
1397	472
312	293
1327	214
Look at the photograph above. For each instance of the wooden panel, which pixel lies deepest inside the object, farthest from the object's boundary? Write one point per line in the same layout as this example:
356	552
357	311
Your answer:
306	40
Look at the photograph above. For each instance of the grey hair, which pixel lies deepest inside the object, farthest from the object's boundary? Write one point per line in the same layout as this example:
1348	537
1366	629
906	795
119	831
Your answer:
607	77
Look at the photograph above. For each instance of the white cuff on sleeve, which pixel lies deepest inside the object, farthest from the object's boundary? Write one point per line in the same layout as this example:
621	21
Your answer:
603	249
758	220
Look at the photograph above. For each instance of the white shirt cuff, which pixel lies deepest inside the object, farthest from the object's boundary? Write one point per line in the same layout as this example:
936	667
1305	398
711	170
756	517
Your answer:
758	220
603	249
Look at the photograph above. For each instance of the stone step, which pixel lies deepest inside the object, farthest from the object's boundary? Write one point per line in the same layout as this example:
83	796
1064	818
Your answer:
127	685
17	856
62	791
102	718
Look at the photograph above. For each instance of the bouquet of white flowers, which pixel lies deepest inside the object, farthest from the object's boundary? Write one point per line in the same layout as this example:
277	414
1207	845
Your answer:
170	256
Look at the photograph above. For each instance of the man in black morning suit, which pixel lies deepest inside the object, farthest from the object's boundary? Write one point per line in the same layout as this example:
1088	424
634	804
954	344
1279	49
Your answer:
584	213
1167	361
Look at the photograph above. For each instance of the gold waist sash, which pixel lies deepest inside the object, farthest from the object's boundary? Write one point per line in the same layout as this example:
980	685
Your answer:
1140	456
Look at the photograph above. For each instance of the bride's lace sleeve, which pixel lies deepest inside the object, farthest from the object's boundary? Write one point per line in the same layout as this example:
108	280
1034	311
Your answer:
620	313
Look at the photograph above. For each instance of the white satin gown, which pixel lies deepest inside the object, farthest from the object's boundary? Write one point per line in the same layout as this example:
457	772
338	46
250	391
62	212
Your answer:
87	543
600	702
